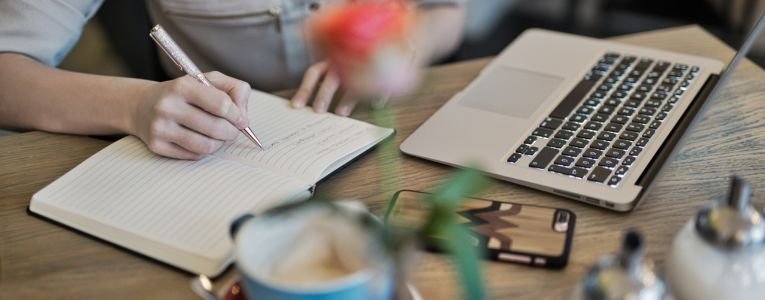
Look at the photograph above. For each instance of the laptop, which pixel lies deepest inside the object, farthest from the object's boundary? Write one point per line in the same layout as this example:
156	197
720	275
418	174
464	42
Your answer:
582	118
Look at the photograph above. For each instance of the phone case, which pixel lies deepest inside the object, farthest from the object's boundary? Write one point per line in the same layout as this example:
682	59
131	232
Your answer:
524	234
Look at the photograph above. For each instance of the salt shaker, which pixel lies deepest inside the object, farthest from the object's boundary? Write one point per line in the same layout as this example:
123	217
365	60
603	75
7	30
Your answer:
626	275
720	254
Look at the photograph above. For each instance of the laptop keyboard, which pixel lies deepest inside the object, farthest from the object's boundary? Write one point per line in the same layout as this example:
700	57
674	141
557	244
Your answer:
601	127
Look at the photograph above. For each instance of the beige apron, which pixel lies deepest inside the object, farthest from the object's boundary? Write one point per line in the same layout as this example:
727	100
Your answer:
262	42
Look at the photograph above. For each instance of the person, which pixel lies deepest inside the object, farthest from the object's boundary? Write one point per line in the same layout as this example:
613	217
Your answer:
254	43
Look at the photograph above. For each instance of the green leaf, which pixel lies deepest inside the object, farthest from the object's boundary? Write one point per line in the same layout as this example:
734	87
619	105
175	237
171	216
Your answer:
460	243
465	183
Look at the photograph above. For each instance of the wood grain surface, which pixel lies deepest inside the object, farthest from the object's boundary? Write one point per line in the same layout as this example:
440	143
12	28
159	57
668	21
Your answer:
42	260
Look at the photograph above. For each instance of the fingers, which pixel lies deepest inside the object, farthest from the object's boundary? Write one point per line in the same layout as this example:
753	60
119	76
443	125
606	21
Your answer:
311	78
174	151
346	105
237	89
202	122
326	92
211	100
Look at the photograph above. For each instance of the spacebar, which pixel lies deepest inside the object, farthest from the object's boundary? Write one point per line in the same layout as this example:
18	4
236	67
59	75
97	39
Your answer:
573	98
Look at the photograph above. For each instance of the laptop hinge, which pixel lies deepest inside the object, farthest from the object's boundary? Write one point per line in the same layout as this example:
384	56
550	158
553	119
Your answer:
675	137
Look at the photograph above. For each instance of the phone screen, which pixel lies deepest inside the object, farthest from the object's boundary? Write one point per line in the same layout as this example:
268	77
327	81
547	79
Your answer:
510	232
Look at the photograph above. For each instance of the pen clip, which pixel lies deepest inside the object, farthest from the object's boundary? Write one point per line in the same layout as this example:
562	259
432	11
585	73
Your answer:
154	36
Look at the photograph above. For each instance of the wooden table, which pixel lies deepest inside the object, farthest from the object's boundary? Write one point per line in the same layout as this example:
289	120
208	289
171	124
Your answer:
42	260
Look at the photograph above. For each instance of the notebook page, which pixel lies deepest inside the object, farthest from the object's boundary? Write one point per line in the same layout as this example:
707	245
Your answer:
301	143
185	205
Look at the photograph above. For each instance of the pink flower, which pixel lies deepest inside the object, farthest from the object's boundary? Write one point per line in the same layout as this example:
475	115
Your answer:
367	45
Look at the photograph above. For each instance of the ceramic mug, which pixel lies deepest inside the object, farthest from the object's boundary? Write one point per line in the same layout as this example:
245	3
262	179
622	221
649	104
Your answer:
311	251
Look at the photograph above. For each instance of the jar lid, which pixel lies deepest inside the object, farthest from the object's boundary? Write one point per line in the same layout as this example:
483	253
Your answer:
733	223
625	275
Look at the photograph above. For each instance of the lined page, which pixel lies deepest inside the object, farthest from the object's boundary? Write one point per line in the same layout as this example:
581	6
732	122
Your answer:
301	143
186	205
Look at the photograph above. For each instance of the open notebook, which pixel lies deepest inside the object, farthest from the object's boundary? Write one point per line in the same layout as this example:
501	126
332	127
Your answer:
179	211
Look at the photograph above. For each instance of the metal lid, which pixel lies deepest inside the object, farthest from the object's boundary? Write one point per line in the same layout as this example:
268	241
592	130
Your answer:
625	275
732	224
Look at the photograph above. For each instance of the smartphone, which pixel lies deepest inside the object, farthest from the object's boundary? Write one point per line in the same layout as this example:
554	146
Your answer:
508	232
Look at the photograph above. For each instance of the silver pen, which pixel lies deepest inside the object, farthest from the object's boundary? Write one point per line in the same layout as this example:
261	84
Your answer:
168	45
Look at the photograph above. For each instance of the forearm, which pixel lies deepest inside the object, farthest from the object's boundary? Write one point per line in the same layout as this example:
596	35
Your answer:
439	31
35	96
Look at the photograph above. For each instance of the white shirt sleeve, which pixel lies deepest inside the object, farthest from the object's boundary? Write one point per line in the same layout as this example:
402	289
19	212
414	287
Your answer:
45	30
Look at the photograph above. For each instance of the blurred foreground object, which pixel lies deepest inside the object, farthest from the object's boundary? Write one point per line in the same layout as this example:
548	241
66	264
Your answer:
368	45
626	275
721	253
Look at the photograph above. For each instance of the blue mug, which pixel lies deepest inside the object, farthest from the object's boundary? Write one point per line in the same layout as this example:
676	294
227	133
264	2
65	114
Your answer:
267	242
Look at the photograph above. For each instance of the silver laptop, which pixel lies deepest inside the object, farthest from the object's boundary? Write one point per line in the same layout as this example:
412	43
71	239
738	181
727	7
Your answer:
582	118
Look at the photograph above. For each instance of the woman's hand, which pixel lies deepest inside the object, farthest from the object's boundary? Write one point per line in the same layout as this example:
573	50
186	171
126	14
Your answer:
185	119
321	79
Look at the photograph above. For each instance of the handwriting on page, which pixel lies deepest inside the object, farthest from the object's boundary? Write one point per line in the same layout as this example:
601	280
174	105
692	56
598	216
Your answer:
301	143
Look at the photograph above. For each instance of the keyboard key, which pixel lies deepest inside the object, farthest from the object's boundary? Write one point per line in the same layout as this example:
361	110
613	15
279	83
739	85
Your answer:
641	142
542	132
622	144
576	172
613	101
543	158
556	143
633	103
585	163
606	136
572	151
522	149
647	111
620	120
635	127
635	151
630	136
598	95
530	140
667	107
614	181
659	96
619	95
598	144
592	102
626	111
579	143
564	160
514	158
607	109
593	126
578	118
660	116
531	151
608	162
584	110
571	126
649	133
638	96
622	170
653	103
573	98
600	118
551	123
586	134
592	153
628	160
564	135
613	127
655	124
615	153
599	174
641	119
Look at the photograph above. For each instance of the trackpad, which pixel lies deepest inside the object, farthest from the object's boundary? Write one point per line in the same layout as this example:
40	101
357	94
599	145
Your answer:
512	92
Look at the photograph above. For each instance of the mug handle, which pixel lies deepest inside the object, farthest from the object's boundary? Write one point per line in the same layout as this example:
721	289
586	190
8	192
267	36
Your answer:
237	223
